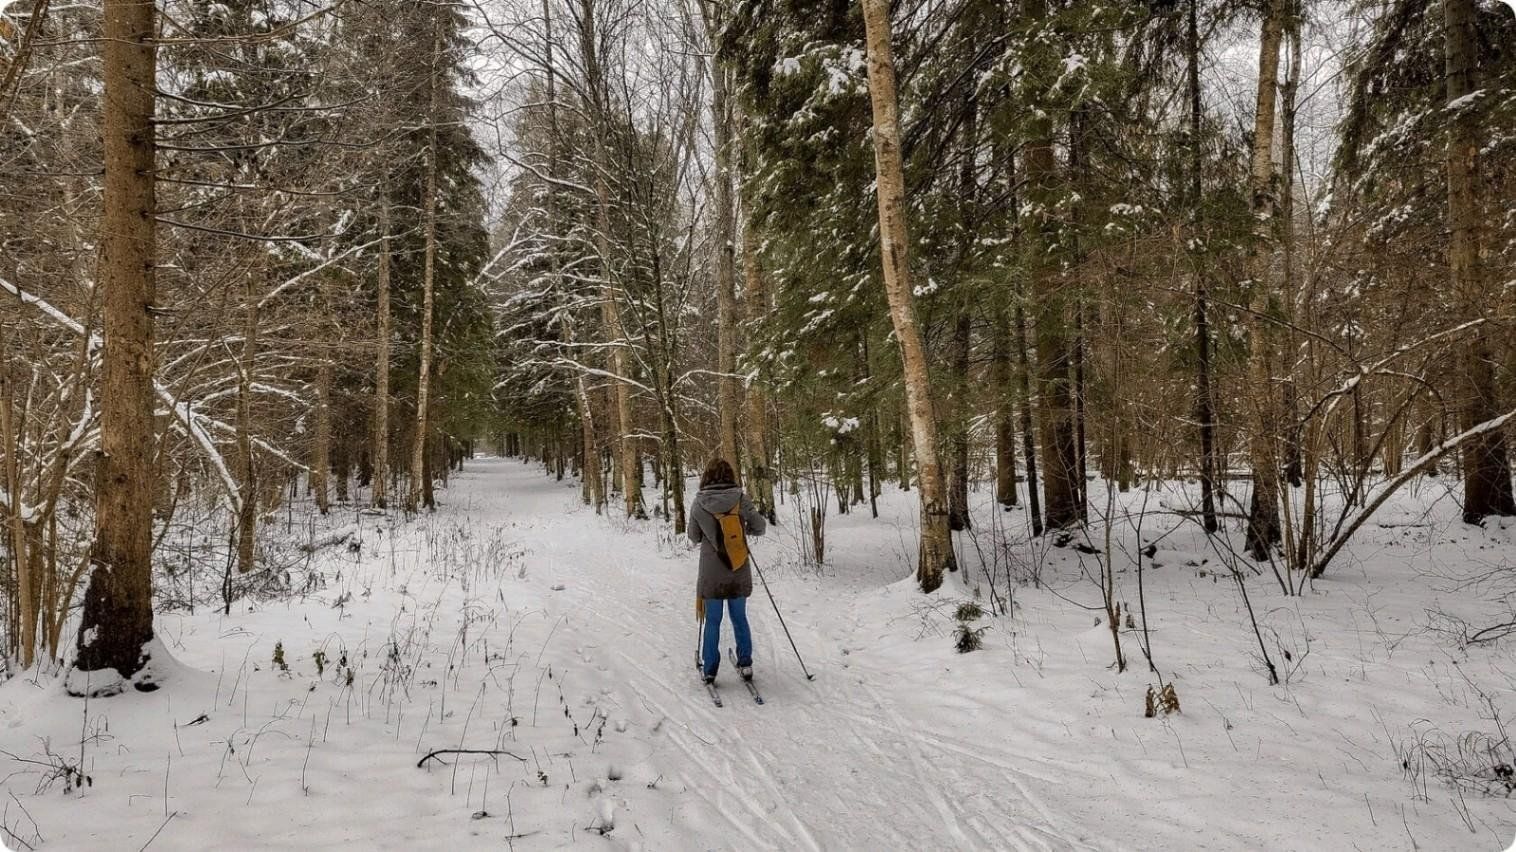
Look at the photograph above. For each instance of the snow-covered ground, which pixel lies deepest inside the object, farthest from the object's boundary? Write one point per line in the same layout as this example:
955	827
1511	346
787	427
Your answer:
514	621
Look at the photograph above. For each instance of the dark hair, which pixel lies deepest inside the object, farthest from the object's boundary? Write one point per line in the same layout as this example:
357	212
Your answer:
718	472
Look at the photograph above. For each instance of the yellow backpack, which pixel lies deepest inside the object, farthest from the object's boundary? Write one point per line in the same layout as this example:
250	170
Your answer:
733	542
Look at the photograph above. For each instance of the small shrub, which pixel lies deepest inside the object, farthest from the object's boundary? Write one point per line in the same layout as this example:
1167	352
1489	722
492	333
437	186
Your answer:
279	662
967	639
969	611
319	658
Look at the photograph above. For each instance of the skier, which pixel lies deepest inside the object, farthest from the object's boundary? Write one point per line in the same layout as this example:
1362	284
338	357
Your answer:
719	519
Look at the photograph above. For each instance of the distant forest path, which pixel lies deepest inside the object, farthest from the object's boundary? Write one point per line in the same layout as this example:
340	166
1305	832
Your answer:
867	754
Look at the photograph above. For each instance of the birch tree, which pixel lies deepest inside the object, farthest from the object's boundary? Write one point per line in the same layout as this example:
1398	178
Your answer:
936	553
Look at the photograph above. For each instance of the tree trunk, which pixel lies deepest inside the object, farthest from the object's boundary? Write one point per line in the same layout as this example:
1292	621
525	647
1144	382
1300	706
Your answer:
1055	391
117	621
626	443
1293	464
1486	462
958	479
321	449
936	540
1028	444
963	328
668	412
1205	411
247	473
1079	180
610	307
342	466
419	480
1050	326
1005	426
379	496
722	119
1081	396
755	308
1263	515
589	468
24	623
871	423
594	483
903	445
429	468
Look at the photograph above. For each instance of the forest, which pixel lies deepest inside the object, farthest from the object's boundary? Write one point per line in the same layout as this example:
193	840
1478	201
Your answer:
361	357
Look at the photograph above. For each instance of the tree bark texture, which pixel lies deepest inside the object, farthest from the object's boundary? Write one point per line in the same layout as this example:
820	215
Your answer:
936	553
117	620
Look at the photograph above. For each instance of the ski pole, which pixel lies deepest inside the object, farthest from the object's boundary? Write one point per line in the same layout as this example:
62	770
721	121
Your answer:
699	631
808	675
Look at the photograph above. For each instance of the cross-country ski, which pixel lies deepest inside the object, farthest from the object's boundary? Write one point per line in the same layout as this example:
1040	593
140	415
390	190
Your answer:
747	680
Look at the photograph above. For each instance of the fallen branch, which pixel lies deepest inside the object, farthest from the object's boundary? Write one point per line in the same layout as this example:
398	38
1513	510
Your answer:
441	751
1491	634
1341	535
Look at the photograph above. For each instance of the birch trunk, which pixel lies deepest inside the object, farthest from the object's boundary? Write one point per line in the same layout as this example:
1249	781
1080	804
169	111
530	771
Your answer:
936	540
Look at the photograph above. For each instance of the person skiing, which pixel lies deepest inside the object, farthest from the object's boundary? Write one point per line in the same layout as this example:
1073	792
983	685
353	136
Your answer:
719	519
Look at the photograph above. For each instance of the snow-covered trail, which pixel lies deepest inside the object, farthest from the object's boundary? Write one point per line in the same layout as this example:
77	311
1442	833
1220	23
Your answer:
515	620
556	647
859	756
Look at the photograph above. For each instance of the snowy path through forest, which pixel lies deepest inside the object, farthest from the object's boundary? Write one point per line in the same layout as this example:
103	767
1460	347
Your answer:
554	648
476	628
826	764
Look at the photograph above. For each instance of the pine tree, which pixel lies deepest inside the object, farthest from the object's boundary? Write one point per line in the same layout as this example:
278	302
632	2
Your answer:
117	623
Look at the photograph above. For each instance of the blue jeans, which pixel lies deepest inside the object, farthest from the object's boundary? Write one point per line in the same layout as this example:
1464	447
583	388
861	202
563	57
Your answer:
710	645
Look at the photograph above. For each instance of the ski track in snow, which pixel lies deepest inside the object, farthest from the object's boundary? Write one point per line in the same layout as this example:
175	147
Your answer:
758	766
515	612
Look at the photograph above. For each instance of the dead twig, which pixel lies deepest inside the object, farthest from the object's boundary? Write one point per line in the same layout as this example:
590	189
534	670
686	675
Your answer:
436	755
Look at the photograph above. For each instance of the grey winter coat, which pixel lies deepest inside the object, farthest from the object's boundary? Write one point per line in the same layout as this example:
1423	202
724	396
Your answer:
716	579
